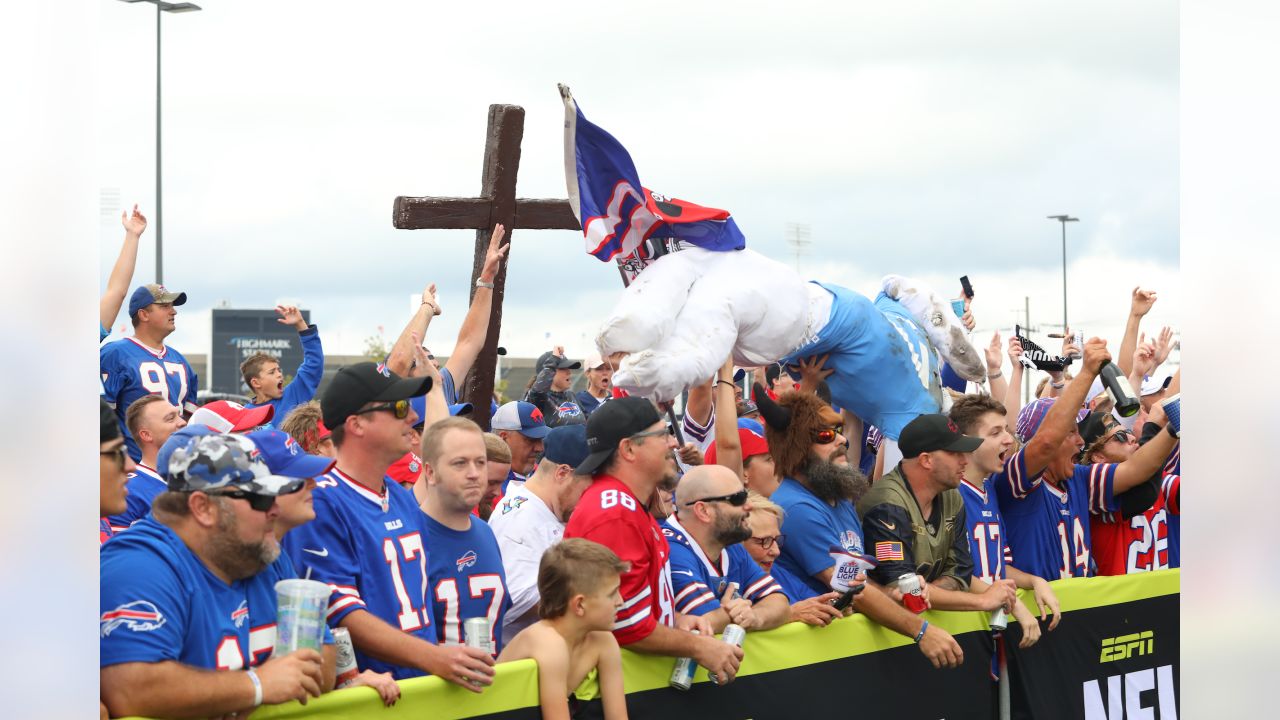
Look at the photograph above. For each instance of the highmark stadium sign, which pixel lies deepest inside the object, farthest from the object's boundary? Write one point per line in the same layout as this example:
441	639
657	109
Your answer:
238	334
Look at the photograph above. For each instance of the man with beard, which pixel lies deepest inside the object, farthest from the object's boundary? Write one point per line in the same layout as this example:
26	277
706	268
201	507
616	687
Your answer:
531	518
712	574
817	494
630	448
522	427
915	522
498	468
176	590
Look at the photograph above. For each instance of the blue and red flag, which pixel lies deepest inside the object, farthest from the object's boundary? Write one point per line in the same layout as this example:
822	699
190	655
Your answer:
617	213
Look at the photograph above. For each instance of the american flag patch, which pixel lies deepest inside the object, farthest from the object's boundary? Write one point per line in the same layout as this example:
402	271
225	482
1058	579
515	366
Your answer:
889	550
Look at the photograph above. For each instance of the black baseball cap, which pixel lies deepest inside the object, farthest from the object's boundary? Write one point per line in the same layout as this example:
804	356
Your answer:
366	382
1092	427
562	363
934	432
610	423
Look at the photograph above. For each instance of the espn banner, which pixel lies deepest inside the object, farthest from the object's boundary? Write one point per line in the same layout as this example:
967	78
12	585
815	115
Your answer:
1114	655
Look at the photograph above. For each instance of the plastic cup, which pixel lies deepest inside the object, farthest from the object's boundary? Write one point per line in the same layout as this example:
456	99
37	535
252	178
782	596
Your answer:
300	615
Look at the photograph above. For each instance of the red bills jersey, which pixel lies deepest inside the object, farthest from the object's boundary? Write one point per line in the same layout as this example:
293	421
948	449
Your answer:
610	514
1141	543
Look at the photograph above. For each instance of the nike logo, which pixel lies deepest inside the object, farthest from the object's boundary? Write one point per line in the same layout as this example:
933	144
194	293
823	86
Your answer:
323	552
888	525
682	572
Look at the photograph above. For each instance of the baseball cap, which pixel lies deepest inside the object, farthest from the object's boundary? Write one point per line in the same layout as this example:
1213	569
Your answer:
221	460
108	426
366	382
525	418
593	361
1030	417
153	293
563	363
752	444
284	456
610	424
419	405
225	416
179	439
1092	427
1155	383
932	432
322	431
566	445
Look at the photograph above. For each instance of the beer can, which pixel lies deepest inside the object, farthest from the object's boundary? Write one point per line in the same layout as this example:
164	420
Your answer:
347	669
1077	339
999	619
734	634
912	593
682	673
478	634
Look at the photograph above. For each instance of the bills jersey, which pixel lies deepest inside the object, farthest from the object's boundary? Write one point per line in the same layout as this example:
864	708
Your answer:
305	381
371	550
144	485
988	538
812	527
610	514
467	580
1141	543
525	528
703	435
159	602
699	582
131	370
883	362
1048	526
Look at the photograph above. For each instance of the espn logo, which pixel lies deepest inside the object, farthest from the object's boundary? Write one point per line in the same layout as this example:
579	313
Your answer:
1124	647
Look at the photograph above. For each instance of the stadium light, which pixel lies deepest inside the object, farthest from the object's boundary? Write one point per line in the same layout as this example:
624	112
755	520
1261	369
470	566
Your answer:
161	7
1064	219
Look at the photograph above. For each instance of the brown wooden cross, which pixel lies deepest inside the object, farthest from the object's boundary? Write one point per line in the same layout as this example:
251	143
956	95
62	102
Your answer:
497	204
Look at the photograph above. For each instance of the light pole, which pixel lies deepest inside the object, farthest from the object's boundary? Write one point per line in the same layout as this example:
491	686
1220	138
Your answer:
1064	219
168	7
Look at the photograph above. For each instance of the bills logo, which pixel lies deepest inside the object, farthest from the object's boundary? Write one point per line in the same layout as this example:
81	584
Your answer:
291	445
241	614
536	415
382	370
568	409
138	616
850	541
467	560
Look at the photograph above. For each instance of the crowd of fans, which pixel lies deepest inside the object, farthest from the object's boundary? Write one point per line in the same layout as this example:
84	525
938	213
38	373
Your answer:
583	522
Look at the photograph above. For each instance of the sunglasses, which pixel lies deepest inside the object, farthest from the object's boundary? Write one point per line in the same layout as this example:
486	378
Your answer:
827	435
1123	436
399	408
668	430
767	542
737	499
261	503
118	454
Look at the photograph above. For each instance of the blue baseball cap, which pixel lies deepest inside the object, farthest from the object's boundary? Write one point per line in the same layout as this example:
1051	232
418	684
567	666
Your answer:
525	418
153	293
419	405
566	445
284	456
178	439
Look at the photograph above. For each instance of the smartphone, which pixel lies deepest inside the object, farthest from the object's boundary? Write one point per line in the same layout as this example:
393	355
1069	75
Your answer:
966	287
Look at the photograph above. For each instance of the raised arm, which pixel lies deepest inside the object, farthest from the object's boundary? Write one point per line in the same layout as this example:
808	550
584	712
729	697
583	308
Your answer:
1061	418
1013	395
1139	305
999	387
400	359
475	326
728	445
122	271
1144	462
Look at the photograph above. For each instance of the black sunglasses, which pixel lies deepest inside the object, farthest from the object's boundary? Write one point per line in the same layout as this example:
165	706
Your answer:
399	408
261	503
1120	436
118	454
737	499
668	430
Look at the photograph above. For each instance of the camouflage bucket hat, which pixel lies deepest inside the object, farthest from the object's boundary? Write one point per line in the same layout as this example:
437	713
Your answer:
211	462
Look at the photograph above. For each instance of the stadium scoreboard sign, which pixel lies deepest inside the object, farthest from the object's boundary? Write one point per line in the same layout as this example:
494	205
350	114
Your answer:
237	334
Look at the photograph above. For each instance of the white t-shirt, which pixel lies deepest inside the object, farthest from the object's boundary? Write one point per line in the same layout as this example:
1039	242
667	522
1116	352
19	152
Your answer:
525	527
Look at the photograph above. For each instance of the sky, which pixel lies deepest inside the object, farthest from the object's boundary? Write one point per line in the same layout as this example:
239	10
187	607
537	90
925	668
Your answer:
929	140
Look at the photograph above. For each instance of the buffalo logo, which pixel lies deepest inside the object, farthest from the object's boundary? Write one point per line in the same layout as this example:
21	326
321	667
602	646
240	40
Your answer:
138	616
568	409
382	370
535	415
467	560
952	427
291	445
240	614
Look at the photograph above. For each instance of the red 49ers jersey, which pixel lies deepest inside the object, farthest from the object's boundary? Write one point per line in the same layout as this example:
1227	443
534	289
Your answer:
1141	543
610	514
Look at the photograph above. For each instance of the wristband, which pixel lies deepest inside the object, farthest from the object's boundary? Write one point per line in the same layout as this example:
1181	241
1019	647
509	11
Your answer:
920	634
257	686
726	382
434	307
998	374
482	284
1057	386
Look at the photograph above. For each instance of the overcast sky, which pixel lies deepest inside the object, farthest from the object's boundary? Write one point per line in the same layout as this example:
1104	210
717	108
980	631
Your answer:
926	139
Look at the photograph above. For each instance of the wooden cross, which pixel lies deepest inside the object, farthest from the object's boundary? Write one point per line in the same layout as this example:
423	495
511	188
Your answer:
497	204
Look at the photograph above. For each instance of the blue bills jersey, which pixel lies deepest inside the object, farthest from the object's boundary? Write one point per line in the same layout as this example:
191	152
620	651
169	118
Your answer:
159	602
699	582
144	485
988	544
305	381
1049	526
883	362
130	370
812	527
467	580
371	550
